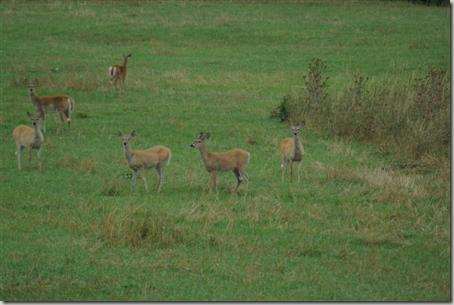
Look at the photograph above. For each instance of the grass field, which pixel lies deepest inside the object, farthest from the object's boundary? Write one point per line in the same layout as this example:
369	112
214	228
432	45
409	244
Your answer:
356	228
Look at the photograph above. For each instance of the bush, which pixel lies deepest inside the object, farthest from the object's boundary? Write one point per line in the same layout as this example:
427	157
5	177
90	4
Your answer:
295	107
412	121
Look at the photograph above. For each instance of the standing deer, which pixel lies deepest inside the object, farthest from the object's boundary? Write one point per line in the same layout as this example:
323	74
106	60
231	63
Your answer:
32	138
118	72
235	160
157	157
62	104
292	150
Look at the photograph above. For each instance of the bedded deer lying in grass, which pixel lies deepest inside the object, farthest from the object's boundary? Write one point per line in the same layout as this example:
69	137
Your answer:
235	160
157	157
32	138
292	150
118	72
62	104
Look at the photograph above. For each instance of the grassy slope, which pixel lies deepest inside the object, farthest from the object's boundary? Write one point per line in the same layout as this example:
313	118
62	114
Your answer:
350	231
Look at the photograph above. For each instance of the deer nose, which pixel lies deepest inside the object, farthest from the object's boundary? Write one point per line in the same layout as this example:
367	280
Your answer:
192	145
124	143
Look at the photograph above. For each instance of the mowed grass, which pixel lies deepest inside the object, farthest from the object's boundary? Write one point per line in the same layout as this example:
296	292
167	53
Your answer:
356	228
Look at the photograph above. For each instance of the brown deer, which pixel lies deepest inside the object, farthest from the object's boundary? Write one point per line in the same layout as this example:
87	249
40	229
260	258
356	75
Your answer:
118	72
292	150
32	138
62	104
235	160
157	157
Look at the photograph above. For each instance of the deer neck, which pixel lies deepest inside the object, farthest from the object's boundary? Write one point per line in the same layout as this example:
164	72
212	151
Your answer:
34	99
204	153
297	146
38	136
36	102
128	152
125	62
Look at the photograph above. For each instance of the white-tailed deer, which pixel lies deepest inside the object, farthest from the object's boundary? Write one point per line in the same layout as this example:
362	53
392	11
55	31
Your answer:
234	160
292	150
32	138
62	104
118	72
157	157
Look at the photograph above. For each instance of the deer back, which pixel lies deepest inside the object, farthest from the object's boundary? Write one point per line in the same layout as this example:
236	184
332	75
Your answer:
56	103
228	160
155	156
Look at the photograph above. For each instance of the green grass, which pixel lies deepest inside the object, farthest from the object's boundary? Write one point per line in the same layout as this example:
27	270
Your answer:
356	227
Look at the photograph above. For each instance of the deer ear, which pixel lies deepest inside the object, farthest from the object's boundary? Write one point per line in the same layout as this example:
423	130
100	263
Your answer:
29	114
302	124
133	133
207	135
120	134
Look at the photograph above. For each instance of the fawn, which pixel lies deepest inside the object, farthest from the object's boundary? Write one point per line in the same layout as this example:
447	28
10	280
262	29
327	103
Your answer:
234	160
292	150
118	72
157	157
32	138
62	104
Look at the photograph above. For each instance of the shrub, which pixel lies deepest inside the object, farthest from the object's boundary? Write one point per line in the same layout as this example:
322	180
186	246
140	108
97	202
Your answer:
315	84
297	106
281	112
412	120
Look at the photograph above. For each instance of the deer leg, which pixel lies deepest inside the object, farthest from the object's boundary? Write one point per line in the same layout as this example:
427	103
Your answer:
142	175
238	179
29	155
212	181
123	78
19	150
160	171
244	177
133	180
62	119
284	166
291	170
215	185
42	122
300	164
38	155
114	82
68	117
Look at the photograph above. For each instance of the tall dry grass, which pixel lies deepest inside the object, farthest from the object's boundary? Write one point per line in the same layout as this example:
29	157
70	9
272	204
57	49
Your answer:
410	120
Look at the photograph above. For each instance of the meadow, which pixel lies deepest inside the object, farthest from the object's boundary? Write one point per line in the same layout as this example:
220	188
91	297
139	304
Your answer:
358	227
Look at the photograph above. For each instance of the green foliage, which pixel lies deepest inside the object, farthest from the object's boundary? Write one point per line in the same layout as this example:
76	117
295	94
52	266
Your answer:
297	106
315	85
282	110
411	121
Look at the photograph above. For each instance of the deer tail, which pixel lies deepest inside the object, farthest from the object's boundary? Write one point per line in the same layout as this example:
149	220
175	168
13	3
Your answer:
170	157
70	108
112	71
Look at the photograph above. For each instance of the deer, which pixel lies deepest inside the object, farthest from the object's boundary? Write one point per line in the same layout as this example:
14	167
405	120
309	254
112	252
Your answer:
234	160
118	72
157	157
27	137
62	104
292	150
